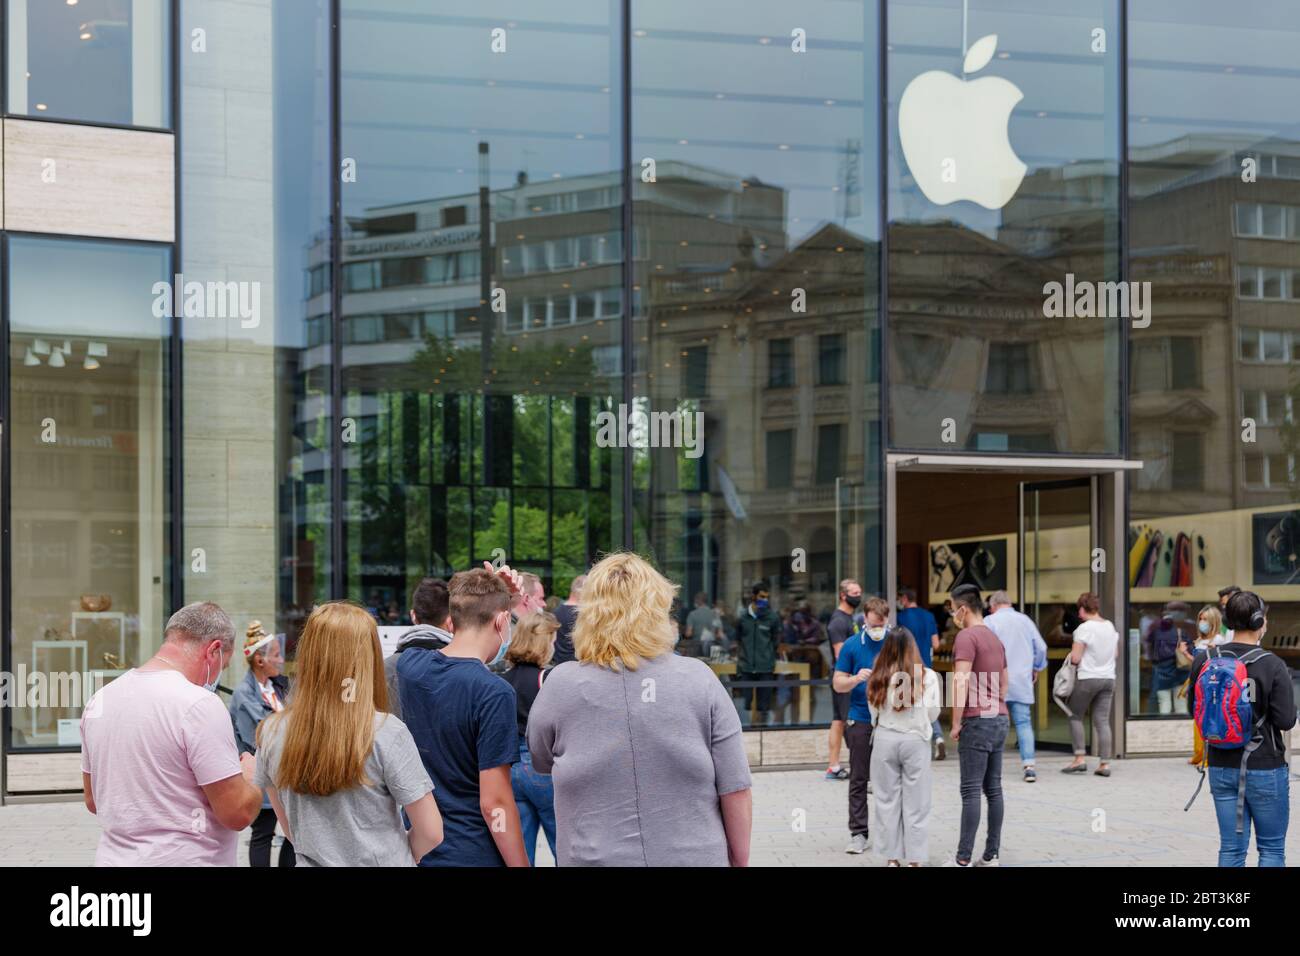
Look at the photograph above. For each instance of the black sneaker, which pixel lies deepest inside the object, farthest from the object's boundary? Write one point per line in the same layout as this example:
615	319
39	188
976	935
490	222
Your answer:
1030	776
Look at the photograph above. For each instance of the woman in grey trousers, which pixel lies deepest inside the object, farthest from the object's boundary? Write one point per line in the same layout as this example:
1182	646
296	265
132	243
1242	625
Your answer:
905	698
1096	643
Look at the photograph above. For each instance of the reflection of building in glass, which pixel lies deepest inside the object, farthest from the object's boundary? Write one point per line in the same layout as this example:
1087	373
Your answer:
744	282
476	424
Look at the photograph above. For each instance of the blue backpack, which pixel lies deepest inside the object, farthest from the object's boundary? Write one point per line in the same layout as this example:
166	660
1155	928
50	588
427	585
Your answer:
1224	713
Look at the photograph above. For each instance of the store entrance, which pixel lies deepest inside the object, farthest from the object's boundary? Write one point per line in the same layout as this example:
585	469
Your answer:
1036	529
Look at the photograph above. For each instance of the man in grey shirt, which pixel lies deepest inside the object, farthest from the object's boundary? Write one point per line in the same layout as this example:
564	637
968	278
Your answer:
643	762
700	623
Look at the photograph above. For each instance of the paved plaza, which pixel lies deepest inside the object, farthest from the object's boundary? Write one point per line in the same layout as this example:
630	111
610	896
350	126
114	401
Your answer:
1133	818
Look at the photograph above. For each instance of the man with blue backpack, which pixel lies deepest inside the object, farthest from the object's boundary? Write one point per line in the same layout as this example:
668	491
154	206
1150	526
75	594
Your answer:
1244	700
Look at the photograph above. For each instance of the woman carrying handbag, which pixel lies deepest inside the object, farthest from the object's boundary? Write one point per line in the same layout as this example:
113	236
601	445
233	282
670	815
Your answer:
1095	645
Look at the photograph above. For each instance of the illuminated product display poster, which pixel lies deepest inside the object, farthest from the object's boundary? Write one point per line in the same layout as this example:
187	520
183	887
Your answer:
988	562
1274	543
1190	557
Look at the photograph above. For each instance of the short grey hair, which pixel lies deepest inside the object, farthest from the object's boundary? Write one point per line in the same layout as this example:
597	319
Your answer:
1000	597
200	623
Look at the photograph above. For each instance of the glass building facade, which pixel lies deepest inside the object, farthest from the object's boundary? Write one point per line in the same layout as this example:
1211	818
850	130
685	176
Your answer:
827	233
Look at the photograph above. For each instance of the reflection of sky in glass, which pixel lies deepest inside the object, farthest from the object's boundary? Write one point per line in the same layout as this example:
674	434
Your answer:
302	154
68	287
1208	67
421	89
723	78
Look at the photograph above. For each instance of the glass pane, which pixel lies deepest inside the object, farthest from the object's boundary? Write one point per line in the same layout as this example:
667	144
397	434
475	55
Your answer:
1058	568
1271	285
988	173
477	160
758	236
1272	218
99	61
90	474
256	394
1199	72
1273	344
1247	218
1249	339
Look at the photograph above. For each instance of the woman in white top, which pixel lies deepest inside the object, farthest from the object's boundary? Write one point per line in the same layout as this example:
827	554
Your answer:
905	699
1095	645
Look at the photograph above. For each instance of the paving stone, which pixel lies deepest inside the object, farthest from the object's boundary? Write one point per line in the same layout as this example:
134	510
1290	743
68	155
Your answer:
1048	823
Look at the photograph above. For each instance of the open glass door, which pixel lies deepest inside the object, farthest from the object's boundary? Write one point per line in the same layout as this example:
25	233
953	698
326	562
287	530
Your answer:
1058	530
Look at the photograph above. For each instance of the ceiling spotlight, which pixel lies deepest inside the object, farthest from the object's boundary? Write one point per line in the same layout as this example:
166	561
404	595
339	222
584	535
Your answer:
41	347
31	359
90	364
97	349
56	359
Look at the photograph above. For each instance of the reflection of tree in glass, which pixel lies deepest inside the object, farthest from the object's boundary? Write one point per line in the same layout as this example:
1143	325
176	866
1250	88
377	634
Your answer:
518	365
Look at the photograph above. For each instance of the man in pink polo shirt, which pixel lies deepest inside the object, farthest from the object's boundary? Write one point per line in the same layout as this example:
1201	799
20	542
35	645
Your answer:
159	765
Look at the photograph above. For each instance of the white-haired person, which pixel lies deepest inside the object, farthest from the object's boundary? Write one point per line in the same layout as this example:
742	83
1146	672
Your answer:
260	694
685	799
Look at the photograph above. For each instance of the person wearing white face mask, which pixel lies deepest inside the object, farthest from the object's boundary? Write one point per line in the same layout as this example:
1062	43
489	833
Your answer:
852	671
159	765
463	719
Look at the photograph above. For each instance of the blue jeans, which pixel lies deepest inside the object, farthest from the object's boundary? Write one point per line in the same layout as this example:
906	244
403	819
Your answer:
1268	805
979	753
1022	717
535	797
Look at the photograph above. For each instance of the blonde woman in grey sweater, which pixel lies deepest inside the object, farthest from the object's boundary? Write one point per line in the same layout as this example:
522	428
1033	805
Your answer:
905	700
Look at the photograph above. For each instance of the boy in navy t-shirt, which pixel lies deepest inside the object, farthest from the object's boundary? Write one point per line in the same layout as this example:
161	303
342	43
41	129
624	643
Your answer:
462	717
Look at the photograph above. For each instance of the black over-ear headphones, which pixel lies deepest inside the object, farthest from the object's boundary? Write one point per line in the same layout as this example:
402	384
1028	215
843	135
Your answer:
1258	609
1256	616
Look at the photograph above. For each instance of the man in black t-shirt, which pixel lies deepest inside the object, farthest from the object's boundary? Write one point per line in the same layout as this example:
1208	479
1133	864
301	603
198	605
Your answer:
1261	795
840	628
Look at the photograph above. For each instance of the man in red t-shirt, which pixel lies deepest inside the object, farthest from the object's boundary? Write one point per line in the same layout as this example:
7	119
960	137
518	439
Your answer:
979	722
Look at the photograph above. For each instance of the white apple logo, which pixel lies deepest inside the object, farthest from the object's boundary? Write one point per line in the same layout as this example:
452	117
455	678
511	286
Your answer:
954	133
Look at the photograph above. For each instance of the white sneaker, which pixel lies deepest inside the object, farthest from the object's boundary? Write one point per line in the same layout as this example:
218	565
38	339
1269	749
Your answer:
858	844
980	861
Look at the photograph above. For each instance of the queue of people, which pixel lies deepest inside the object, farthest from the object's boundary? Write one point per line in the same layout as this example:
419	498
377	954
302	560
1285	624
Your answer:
430	758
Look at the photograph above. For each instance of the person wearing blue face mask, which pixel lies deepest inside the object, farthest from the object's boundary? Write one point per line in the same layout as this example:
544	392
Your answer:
758	632
463	720
852	671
